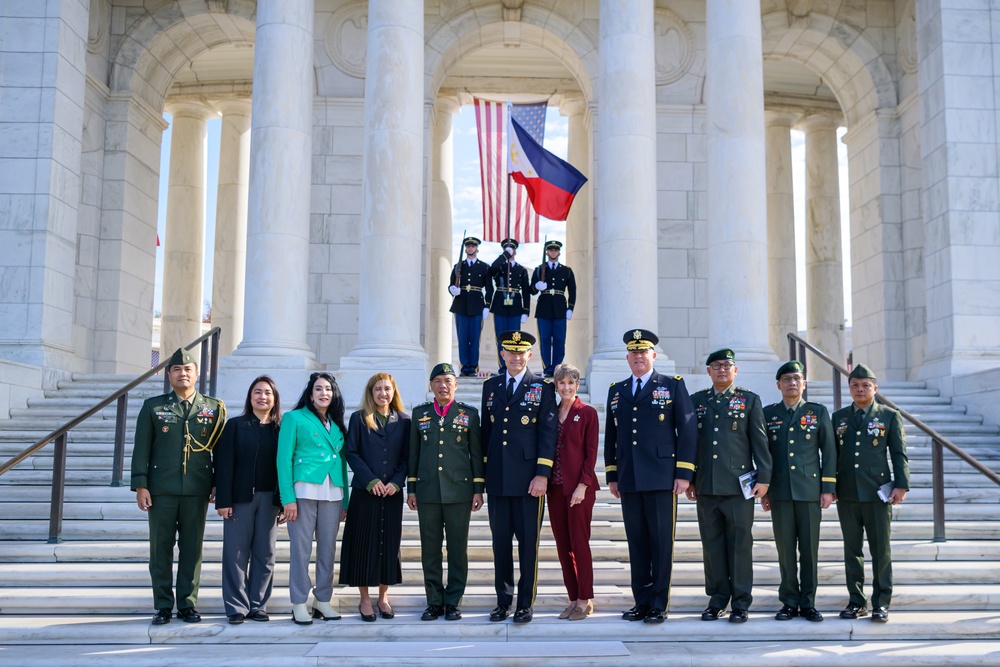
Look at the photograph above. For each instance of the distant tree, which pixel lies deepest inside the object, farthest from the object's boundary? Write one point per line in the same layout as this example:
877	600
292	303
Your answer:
206	313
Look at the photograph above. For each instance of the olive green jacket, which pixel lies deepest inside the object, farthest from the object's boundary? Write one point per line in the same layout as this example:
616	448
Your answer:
864	450
446	455
803	453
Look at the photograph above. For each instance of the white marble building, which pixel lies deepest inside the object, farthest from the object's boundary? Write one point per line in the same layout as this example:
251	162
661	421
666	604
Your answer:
336	179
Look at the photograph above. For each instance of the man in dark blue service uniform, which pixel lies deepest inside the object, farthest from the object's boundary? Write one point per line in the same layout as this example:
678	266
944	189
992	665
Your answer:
519	428
472	289
512	298
555	285
650	440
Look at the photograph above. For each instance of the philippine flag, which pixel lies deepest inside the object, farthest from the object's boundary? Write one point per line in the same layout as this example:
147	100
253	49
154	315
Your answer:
552	183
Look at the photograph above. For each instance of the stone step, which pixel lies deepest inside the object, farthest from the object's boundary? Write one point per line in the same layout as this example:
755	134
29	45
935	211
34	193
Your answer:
135	529
955	549
135	600
606	573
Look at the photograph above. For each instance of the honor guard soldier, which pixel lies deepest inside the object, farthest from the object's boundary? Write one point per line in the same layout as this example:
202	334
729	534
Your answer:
869	436
445	487
519	434
172	480
512	298
803	480
649	449
731	443
472	289
555	286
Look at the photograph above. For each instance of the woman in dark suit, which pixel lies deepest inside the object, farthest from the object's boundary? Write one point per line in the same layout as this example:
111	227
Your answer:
246	479
572	492
377	440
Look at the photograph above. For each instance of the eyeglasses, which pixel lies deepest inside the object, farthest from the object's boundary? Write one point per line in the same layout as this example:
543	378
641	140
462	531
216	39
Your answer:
789	379
722	366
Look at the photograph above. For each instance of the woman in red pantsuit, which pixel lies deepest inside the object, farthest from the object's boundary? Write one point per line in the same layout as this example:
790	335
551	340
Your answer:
572	491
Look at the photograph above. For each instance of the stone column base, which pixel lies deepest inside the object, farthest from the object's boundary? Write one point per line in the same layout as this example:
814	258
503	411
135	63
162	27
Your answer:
290	374
757	369
410	374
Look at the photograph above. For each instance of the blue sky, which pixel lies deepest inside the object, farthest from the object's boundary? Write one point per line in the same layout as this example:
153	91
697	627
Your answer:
467	203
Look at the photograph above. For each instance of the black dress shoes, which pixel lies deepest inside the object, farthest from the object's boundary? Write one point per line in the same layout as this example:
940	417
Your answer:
163	616
853	611
787	613
636	613
387	615
367	618
738	616
258	615
236	619
189	615
452	613
524	615
880	614
655	615
811	614
711	614
432	612
499	613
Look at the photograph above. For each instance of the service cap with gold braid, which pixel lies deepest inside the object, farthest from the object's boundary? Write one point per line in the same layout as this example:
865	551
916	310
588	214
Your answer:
640	339
516	341
471	240
181	357
511	242
553	245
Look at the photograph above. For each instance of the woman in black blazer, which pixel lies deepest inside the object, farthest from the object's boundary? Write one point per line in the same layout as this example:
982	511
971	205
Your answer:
377	440
246	497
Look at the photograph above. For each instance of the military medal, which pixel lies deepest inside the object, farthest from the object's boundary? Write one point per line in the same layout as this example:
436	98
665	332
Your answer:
165	429
525	420
662	417
734	426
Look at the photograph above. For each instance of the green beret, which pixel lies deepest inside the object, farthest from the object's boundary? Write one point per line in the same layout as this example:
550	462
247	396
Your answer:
790	367
181	357
724	354
443	369
862	372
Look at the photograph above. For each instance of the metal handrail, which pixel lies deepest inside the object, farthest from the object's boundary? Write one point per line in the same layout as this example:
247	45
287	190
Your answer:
938	441
121	396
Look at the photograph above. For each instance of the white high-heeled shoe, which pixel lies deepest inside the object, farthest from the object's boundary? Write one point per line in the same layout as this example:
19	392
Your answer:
300	614
324	611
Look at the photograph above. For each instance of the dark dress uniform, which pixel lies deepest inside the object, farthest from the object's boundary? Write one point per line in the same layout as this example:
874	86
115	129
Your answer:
865	444
804	459
446	471
475	296
511	299
649	441
172	459
550	310
731	442
519	435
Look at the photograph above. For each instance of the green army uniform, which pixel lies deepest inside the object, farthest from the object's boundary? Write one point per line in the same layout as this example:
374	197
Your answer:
731	442
446	469
172	459
804	460
865	444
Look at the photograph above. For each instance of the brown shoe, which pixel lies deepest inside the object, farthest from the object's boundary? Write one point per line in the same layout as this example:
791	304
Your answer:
568	610
578	614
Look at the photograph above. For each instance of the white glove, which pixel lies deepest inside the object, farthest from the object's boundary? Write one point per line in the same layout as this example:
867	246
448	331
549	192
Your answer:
569	314
524	318
541	286
454	290
509	250
486	313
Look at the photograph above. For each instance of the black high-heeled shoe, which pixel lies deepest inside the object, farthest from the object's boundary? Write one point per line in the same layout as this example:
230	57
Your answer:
385	614
367	618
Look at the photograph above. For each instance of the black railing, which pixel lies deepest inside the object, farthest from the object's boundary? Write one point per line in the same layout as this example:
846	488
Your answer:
206	381
797	350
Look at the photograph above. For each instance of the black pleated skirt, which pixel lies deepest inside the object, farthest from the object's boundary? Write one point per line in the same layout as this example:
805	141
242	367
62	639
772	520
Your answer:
369	553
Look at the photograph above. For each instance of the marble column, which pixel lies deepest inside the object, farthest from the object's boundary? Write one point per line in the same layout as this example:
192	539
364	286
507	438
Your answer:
184	242
277	257
737	204
782	301
392	203
438	335
824	261
627	294
580	234
230	260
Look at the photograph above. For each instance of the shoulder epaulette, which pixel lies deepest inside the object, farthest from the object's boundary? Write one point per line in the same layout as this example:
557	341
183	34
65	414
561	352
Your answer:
678	377
547	380
422	405
613	383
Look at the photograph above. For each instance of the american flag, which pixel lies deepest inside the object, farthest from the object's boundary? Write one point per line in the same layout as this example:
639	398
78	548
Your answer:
491	124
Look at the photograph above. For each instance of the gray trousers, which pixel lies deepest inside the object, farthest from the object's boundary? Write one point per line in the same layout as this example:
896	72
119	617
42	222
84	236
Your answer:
248	554
319	518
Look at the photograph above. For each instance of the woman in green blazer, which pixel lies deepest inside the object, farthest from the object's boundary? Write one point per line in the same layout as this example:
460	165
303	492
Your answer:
312	478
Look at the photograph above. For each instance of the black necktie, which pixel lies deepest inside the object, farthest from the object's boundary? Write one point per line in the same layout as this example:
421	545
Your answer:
510	388
791	411
859	414
552	266
186	406
471	262
638	387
